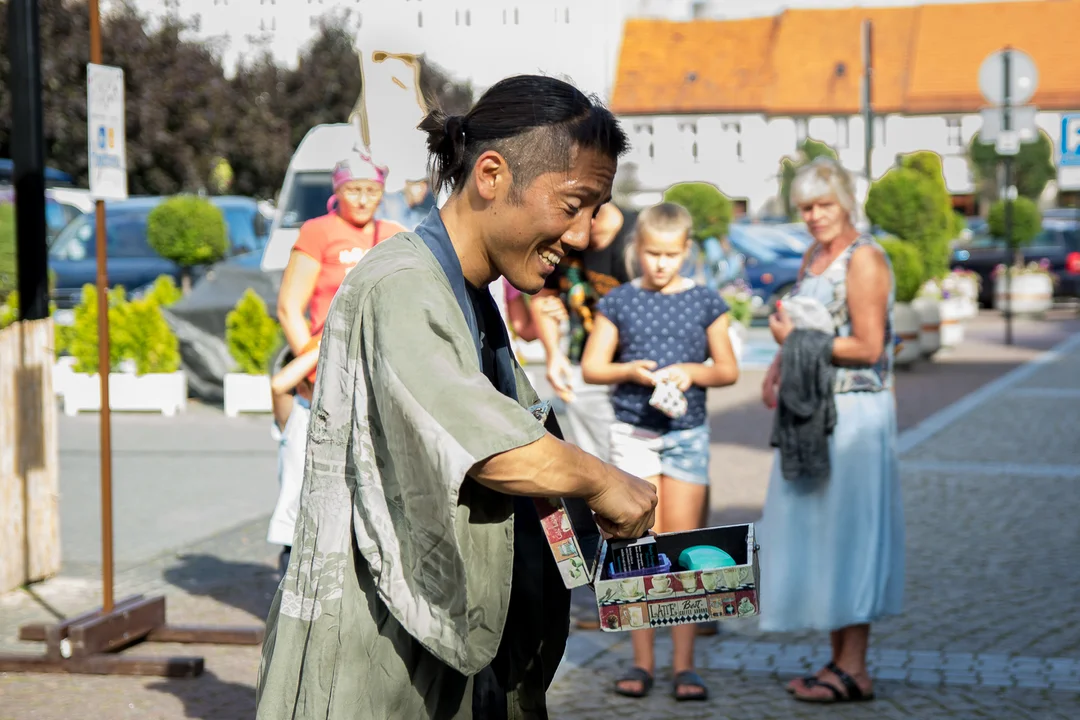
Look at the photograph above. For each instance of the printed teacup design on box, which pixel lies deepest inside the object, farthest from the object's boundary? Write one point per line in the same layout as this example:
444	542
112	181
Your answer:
688	583
724	605
660	586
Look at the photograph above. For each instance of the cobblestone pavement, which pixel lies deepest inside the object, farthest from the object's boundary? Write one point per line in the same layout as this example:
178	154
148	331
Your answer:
990	630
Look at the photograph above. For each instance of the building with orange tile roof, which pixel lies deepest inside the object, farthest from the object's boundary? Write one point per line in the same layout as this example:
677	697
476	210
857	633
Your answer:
725	100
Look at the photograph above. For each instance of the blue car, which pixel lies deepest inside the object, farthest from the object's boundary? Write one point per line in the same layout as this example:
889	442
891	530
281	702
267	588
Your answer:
131	261
770	274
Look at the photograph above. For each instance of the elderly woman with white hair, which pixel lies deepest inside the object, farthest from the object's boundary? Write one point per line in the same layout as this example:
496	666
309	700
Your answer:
832	535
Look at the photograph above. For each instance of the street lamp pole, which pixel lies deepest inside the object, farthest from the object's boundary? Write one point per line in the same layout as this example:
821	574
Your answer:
1006	127
868	94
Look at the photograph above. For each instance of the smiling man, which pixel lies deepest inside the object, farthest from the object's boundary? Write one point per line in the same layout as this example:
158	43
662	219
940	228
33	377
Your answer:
421	585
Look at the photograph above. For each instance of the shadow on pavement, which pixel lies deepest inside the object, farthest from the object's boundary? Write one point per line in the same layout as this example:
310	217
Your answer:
247	586
209	698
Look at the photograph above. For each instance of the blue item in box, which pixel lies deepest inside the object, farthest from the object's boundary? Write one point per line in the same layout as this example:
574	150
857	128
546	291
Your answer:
705	557
663	567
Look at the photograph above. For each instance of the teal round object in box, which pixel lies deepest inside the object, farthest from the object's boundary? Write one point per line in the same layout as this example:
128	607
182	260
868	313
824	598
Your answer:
705	557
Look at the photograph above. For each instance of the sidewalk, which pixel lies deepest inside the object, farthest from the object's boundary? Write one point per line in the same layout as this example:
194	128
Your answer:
990	629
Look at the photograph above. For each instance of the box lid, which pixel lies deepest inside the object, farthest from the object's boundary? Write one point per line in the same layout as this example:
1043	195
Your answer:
568	524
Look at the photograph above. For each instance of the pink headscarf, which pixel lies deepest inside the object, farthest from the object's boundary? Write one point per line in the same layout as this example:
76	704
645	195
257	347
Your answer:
355	166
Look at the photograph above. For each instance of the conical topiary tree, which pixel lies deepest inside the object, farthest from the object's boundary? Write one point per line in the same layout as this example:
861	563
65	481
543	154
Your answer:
251	334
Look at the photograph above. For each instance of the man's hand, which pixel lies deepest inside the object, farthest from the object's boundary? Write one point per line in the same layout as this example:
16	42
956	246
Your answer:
676	374
559	373
640	372
624	506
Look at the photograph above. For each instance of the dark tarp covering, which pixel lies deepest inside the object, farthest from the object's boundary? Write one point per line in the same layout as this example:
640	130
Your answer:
199	322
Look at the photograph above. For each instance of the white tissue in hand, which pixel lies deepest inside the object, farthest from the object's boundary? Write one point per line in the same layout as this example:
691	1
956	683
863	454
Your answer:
808	313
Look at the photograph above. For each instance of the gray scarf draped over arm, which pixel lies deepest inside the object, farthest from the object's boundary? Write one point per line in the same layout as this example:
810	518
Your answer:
806	411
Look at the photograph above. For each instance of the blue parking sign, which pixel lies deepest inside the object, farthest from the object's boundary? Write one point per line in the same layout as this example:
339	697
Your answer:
1070	140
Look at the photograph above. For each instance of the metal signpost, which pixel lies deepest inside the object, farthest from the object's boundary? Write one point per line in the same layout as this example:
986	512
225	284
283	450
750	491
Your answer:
89	643
1008	78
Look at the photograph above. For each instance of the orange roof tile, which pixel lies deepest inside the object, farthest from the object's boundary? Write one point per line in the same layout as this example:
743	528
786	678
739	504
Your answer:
812	44
926	59
953	41
703	66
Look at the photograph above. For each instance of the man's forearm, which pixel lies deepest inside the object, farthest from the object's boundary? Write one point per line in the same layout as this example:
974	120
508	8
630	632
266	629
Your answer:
548	468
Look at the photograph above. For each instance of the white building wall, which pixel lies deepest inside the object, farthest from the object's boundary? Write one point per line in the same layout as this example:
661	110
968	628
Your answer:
745	163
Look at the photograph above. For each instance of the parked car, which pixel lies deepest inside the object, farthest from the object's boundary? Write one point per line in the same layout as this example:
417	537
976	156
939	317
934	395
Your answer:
771	275
131	261
306	189
1057	244
62	205
53	177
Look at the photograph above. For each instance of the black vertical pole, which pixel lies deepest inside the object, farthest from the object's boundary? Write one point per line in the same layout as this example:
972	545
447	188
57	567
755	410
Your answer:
28	154
868	94
1006	126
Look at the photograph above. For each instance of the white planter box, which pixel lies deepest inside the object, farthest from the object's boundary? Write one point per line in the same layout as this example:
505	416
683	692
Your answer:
952	313
157	392
906	329
1031	294
929	313
247	394
62	372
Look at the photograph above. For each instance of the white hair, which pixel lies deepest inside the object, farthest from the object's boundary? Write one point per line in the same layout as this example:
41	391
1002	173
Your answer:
822	178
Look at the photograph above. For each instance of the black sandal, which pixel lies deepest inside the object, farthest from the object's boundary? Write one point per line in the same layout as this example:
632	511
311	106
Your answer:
854	693
635	674
689	678
807	681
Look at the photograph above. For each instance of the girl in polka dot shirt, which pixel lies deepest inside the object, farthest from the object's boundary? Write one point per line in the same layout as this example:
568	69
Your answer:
662	326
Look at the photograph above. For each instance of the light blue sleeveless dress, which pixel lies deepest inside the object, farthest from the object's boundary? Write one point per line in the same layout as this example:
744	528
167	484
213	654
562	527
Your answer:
833	556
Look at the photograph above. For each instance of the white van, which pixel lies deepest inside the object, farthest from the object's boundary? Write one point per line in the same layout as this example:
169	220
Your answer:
307	188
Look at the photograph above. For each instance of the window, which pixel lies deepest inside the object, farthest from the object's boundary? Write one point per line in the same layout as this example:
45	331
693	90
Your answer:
504	16
800	131
515	16
698	9
566	16
420	19
954	134
457	17
306	198
735	129
879	132
643	136
843	133
468	17
688	131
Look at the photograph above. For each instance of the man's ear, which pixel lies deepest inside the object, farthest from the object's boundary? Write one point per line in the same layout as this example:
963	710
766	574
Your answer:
491	174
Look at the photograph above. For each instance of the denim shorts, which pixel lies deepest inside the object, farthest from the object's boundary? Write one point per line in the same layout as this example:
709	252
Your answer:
679	454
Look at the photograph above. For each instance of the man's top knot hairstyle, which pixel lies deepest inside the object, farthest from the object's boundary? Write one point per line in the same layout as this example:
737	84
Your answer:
535	122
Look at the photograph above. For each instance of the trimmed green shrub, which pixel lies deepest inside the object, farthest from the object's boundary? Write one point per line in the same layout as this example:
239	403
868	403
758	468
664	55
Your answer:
907	267
81	338
911	205
9	309
8	280
164	291
809	151
1033	166
143	336
251	335
710	208
188	230
1026	222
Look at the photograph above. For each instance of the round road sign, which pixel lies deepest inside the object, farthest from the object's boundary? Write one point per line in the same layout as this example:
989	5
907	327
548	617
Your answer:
1024	77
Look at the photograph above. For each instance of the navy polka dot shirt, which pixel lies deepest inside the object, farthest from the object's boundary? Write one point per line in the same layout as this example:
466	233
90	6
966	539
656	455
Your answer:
668	329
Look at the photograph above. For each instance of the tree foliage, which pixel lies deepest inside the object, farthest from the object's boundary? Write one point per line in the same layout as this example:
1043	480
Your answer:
1026	222
188	230
710	208
1033	166
808	151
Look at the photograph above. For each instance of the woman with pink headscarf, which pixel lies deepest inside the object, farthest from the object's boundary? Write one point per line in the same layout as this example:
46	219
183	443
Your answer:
326	250
330	246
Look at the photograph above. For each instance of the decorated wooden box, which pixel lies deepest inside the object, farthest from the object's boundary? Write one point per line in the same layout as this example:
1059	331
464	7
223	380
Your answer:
679	596
674	596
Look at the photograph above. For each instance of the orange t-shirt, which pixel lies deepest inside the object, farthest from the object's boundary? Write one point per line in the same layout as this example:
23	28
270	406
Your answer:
338	246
